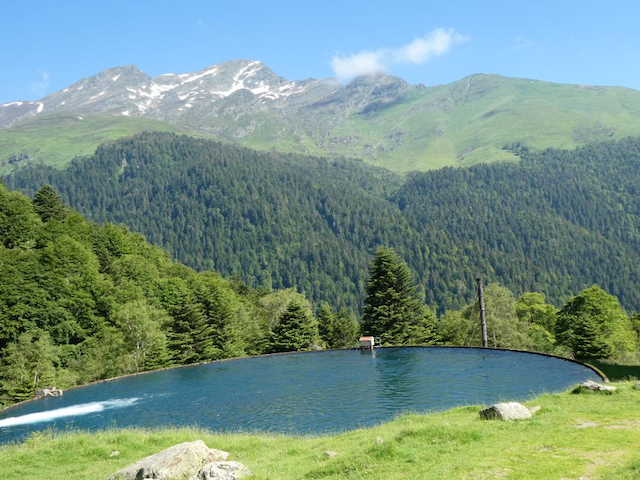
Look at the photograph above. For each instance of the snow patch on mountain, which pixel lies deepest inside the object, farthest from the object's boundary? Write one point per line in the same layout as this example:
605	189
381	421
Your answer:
188	77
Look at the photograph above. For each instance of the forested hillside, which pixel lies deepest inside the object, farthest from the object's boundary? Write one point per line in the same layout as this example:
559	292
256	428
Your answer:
556	222
81	302
274	220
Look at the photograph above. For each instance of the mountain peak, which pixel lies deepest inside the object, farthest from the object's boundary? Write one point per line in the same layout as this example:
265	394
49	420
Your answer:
376	79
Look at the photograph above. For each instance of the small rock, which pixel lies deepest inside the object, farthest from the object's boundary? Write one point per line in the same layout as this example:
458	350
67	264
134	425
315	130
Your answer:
535	409
330	453
115	453
638	386
379	440
597	387
180	461
222	471
47	392
506	411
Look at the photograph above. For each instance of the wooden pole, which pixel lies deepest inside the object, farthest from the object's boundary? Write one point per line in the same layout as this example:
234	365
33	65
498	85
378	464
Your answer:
483	320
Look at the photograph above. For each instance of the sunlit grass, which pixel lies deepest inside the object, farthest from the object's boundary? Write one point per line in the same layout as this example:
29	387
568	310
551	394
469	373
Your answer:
57	139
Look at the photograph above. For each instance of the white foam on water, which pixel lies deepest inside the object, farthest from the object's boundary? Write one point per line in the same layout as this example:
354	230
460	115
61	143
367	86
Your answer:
73	411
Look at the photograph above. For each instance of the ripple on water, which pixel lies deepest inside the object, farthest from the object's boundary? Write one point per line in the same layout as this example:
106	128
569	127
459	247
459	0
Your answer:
301	393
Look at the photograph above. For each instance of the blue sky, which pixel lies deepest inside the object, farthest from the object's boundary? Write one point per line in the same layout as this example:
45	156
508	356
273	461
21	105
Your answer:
47	45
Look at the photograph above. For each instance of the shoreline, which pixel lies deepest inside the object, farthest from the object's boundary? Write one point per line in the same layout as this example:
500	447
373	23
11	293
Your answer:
599	372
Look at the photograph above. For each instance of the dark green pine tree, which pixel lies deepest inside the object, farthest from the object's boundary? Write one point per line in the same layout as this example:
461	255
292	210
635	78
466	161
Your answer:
590	341
48	205
296	330
187	320
392	309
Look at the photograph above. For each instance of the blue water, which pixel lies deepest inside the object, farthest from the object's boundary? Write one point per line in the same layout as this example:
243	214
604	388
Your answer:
300	393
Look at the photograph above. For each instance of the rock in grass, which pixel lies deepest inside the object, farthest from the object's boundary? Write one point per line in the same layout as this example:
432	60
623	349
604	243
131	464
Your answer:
222	471
330	454
180	461
597	387
506	411
638	386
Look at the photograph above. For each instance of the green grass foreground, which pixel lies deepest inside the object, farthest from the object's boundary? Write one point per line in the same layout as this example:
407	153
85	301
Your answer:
573	436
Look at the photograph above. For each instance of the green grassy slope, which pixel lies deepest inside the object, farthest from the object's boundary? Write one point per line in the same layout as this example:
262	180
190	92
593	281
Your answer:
460	124
56	139
557	443
469	121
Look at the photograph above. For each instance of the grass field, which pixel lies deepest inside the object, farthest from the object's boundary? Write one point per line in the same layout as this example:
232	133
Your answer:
56	139
587	436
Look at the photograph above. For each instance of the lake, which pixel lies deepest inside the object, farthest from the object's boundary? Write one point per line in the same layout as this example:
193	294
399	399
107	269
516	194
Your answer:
316	392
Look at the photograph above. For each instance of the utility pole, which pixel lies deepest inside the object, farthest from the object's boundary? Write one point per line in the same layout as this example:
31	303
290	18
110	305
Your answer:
483	320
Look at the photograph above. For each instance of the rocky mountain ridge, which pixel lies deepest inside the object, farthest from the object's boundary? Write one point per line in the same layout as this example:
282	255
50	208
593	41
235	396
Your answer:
232	89
379	118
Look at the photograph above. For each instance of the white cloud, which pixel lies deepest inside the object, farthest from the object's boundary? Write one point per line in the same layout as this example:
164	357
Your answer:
40	87
363	63
417	52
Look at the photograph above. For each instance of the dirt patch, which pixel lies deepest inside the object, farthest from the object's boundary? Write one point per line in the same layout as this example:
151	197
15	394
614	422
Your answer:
586	425
625	425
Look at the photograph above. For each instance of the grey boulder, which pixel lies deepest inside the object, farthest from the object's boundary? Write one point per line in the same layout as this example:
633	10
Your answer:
222	471
506	411
180	461
597	387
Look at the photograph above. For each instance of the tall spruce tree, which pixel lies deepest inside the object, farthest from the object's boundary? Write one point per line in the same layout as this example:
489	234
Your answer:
47	204
393	310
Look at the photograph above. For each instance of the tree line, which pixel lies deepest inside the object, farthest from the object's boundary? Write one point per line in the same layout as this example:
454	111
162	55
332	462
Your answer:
591	325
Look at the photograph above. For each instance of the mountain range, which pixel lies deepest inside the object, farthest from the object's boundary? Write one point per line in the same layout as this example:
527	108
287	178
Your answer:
379	118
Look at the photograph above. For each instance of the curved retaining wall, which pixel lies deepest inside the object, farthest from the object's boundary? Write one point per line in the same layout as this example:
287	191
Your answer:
589	366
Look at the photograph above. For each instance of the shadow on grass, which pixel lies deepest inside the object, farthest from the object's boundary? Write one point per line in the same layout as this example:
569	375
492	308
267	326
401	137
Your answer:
617	372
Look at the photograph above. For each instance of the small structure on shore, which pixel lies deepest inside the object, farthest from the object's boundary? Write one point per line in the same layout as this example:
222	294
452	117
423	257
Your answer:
368	343
47	392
